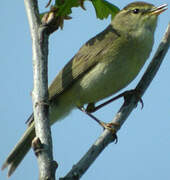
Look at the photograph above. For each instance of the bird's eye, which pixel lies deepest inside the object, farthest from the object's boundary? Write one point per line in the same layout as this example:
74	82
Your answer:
136	11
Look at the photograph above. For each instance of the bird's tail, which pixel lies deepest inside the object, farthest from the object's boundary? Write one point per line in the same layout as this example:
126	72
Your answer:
63	107
20	150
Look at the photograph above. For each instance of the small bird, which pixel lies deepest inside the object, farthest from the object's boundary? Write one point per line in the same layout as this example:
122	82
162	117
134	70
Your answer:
104	65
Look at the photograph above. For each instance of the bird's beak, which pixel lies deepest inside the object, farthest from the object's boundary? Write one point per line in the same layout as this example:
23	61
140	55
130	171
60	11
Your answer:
158	10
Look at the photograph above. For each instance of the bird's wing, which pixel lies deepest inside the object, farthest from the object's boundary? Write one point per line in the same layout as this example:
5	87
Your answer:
86	58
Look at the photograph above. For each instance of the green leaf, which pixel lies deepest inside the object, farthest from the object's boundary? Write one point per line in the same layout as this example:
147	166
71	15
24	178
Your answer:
61	10
103	9
64	6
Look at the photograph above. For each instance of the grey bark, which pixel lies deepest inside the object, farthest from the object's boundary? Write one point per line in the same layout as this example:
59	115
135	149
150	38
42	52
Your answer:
40	37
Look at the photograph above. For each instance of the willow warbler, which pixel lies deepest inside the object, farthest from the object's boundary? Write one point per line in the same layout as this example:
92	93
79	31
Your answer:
104	65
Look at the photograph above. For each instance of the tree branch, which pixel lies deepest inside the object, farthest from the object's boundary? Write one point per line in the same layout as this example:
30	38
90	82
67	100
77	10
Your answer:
42	144
107	137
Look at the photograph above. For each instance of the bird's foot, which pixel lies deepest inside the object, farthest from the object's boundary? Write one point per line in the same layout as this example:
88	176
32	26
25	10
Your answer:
134	92
112	127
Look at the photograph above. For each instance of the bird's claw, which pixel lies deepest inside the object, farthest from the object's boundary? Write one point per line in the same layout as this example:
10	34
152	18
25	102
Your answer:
111	128
128	94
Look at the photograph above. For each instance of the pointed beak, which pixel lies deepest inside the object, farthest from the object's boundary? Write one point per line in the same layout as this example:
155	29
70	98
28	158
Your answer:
158	10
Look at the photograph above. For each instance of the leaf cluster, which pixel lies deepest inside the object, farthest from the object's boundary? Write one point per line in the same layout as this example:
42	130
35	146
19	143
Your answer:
62	9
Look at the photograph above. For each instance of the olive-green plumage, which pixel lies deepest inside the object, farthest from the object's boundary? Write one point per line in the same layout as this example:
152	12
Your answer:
105	64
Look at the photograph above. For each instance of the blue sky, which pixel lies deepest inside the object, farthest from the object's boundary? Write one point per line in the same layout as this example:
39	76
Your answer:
144	140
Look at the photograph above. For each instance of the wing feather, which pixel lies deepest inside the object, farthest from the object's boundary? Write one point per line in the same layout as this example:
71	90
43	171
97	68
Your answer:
86	58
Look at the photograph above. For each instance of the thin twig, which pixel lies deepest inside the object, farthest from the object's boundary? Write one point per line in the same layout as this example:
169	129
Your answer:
40	91
107	137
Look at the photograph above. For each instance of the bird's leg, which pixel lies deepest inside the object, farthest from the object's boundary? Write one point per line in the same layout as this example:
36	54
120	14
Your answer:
92	116
127	94
109	126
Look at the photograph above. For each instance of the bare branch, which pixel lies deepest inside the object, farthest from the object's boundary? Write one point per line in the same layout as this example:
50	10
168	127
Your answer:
107	137
40	92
